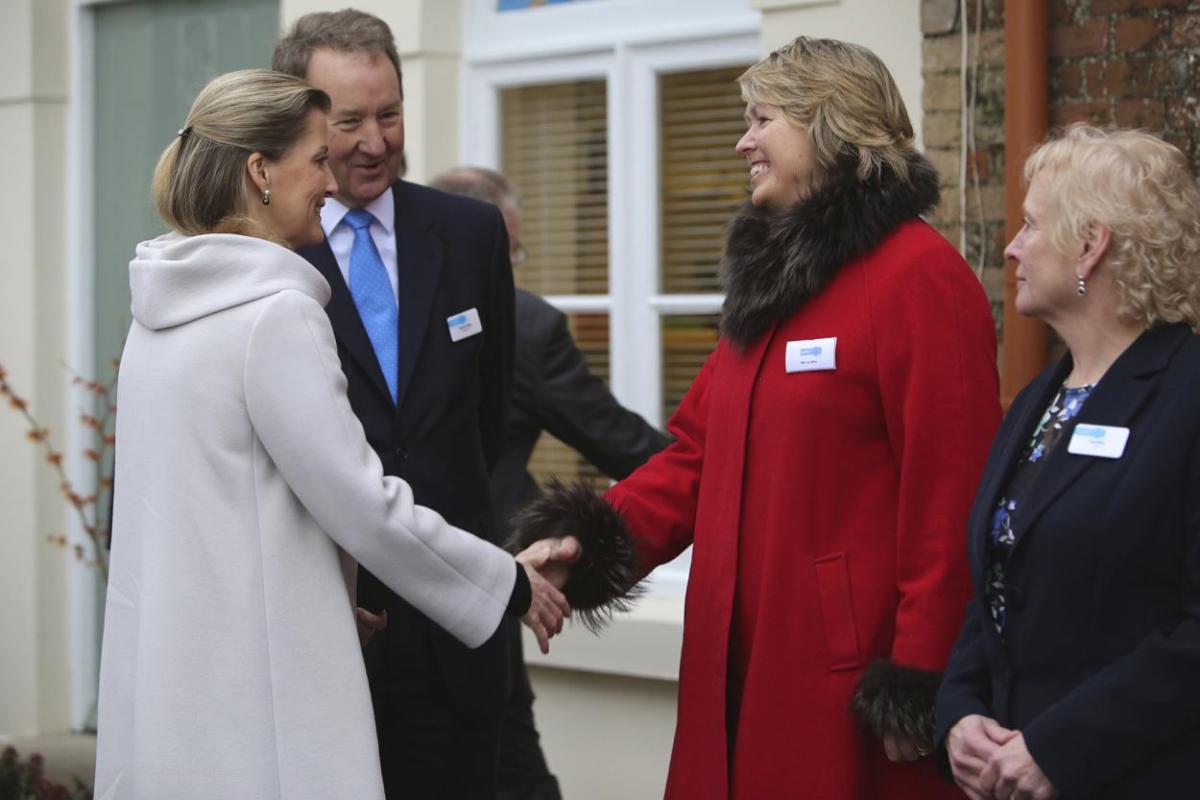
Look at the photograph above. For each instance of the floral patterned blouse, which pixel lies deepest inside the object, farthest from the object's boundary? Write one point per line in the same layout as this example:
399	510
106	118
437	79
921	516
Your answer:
1065	405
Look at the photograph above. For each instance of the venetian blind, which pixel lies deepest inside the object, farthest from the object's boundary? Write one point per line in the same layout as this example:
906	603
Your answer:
703	179
703	182
554	150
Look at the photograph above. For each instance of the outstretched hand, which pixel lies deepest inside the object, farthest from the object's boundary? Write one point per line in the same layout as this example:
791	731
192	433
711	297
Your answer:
553	558
546	563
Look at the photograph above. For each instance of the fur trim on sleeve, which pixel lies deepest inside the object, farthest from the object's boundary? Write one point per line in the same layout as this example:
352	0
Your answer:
898	700
603	579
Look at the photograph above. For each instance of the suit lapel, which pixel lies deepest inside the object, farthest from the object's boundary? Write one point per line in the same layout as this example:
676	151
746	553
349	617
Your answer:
419	262
1115	401
343	315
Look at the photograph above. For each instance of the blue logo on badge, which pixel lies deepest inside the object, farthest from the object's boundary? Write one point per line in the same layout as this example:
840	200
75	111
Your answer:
461	319
1090	431
810	351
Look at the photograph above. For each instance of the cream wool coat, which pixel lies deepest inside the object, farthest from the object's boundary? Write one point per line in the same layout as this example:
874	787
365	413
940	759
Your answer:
230	665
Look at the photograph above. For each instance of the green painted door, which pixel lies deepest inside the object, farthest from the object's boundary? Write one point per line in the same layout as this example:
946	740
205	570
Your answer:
151	59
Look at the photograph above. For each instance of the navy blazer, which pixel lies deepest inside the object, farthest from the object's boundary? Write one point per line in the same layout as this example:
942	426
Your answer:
1100	665
445	433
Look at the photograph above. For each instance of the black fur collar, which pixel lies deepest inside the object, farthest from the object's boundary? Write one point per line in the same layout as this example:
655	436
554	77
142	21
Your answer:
775	261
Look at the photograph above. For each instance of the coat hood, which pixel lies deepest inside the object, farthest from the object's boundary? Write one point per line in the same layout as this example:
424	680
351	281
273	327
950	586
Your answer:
775	261
176	279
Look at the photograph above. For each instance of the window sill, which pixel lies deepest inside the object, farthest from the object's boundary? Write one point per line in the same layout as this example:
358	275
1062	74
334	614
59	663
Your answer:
643	643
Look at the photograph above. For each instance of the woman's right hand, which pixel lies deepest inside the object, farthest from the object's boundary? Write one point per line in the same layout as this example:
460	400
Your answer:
970	743
546	562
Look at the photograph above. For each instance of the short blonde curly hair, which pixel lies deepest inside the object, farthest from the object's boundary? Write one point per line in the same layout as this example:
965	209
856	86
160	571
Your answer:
846	98
1140	189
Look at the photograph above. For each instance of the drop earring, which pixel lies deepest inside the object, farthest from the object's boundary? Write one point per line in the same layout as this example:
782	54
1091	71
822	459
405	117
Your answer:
1082	285
267	202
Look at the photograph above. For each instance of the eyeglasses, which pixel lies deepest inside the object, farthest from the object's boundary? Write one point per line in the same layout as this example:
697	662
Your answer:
519	256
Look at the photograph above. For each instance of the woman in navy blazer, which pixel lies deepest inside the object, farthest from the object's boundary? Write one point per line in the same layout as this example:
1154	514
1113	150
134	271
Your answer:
1077	671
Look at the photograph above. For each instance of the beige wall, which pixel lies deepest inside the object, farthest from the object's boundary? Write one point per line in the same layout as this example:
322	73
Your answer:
33	344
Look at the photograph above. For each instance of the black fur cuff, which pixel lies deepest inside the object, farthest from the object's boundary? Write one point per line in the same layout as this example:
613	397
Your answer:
602	580
897	700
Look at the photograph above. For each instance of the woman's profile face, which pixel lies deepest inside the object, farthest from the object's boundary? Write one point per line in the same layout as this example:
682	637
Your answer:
300	182
1046	281
780	157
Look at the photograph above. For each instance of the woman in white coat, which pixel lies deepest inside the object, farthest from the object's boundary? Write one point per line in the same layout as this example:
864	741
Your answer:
246	489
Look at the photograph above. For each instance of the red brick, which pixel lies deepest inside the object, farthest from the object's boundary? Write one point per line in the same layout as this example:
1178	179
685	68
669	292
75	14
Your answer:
1093	73
1116	78
1183	113
1067	79
1071	41
1185	30
1135	34
1066	113
1140	113
1102	7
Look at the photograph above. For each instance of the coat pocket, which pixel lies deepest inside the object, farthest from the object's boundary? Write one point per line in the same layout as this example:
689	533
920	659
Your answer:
837	612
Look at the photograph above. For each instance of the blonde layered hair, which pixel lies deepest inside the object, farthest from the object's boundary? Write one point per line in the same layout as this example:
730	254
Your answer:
1140	189
200	180
846	98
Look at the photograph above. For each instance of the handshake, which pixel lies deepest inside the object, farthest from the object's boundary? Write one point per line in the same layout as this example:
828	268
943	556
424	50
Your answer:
547	563
579	558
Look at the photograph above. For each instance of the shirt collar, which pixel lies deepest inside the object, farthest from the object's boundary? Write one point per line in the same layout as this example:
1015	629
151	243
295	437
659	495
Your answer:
383	208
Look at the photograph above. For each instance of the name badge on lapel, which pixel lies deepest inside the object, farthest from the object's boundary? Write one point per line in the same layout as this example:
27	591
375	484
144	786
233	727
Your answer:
810	355
464	324
1103	441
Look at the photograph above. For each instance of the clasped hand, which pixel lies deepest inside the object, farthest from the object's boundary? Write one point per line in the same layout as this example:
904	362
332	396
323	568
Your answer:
547	563
991	761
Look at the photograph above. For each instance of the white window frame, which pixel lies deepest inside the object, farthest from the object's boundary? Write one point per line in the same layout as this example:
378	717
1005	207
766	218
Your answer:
627	43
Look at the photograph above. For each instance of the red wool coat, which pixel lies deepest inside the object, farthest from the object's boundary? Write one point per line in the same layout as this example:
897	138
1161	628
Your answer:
827	510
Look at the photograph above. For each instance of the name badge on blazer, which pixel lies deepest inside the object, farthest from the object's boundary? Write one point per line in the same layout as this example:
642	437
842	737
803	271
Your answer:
464	324
810	355
1102	441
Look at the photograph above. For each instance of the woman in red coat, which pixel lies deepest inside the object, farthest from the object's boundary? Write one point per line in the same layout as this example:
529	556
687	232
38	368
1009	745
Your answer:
825	457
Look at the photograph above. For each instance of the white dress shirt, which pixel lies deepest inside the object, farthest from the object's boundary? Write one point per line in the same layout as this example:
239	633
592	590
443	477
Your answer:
383	233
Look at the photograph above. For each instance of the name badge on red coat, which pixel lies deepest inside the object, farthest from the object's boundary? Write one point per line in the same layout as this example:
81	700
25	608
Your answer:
810	355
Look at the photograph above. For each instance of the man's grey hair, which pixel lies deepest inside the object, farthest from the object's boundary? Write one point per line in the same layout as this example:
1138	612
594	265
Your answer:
479	183
346	31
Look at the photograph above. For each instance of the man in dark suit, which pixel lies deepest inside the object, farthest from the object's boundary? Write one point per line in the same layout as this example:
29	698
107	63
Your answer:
554	391
422	308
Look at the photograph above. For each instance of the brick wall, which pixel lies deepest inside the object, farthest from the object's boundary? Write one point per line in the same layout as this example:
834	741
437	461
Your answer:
1126	63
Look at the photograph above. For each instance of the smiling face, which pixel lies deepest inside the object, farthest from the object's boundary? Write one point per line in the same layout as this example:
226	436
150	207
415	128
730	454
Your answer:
782	166
299	183
1046	279
366	121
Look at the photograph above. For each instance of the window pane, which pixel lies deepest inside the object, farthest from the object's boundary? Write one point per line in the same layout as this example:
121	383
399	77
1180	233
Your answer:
703	179
551	458
554	150
687	339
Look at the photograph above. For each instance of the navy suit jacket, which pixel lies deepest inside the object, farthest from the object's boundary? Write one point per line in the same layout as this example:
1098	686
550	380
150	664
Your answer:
1100	664
445	433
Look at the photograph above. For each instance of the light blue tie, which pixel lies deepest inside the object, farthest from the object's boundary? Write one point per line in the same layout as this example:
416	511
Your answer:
372	293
